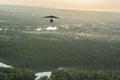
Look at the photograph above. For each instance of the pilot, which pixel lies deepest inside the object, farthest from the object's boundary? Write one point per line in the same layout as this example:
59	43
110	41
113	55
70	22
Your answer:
51	20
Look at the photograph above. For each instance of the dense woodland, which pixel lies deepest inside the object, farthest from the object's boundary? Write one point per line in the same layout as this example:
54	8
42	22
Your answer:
74	74
59	74
16	74
43	55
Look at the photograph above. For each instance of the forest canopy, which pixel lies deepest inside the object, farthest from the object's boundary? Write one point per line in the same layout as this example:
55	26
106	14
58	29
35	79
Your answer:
16	74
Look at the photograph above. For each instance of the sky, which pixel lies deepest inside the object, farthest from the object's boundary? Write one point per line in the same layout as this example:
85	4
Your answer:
92	5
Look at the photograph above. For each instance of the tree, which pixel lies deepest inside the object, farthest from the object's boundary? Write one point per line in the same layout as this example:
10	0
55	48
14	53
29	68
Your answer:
44	78
3	77
16	74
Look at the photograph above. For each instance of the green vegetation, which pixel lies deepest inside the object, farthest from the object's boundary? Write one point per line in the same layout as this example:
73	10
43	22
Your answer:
73	74
16	74
43	55
44	78
84	39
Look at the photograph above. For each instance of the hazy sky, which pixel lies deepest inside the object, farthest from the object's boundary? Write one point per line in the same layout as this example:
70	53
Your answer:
109	5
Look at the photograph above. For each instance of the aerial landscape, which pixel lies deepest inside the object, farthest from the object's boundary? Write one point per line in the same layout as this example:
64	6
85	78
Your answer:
58	43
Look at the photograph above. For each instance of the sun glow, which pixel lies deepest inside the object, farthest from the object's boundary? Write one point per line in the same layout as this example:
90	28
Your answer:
104	5
84	1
